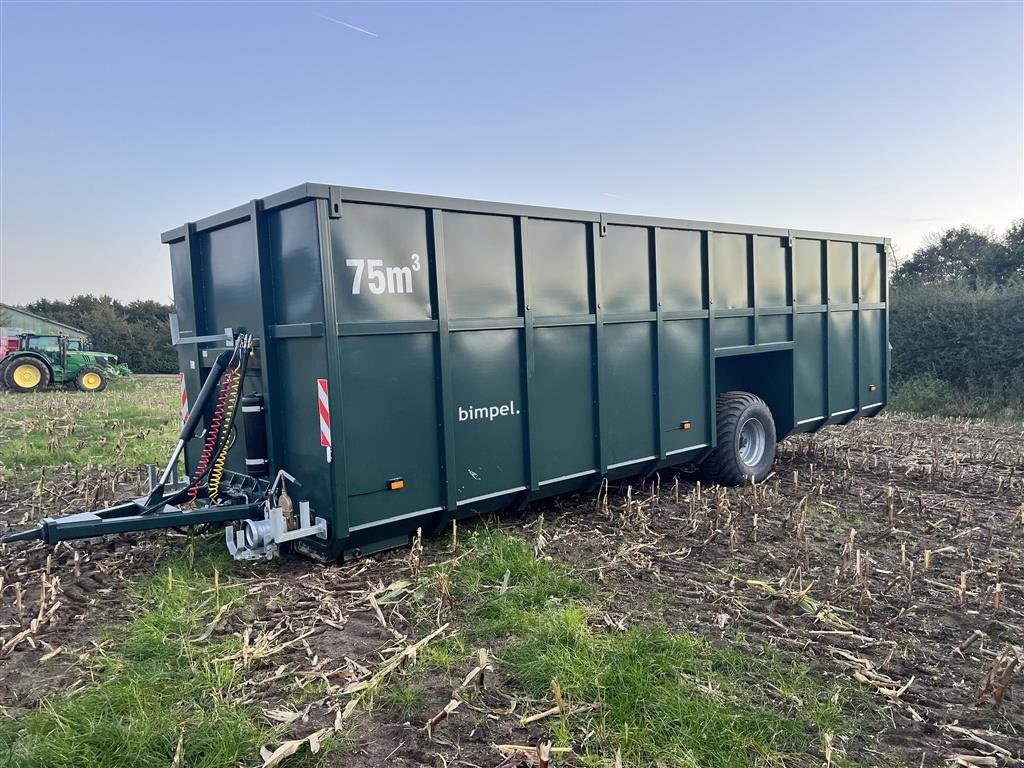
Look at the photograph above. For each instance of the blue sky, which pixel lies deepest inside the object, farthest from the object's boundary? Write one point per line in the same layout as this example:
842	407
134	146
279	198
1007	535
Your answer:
122	120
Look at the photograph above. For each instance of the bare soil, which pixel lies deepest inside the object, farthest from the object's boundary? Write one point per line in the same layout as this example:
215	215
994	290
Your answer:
890	551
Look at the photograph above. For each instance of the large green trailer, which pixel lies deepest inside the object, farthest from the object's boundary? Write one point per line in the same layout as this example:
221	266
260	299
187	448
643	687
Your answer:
415	359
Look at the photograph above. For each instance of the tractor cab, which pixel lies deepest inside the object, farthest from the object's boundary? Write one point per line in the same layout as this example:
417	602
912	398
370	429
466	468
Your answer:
52	347
44	359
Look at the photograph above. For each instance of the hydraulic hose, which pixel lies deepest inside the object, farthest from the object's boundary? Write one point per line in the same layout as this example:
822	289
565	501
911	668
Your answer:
188	429
221	373
212	435
219	440
234	385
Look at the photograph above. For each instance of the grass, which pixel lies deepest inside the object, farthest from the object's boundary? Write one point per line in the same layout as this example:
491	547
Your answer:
928	395
130	424
157	684
400	701
445	654
659	697
831	517
534	585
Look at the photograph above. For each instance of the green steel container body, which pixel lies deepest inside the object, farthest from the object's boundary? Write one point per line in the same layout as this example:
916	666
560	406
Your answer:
486	354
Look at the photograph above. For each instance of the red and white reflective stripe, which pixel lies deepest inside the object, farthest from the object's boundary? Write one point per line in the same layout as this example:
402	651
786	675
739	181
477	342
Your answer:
325	413
184	397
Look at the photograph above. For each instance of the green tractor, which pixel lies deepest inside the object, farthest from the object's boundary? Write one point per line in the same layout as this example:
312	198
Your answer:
43	360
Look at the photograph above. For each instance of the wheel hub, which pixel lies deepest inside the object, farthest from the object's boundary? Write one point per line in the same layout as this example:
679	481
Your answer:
27	376
752	442
91	380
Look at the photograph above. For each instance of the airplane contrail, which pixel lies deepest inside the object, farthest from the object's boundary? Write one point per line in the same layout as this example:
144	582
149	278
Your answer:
350	26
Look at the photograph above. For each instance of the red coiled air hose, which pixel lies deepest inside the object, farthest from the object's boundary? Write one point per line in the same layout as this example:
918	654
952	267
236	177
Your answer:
211	434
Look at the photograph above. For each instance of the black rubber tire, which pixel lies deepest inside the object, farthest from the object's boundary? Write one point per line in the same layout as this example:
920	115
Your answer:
724	465
79	379
12	365
3	385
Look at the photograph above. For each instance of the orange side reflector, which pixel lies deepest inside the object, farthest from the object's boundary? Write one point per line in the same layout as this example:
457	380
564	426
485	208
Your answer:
397	484
686	425
872	388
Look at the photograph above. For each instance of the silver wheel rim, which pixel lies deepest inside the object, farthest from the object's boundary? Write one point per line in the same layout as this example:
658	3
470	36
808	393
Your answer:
752	442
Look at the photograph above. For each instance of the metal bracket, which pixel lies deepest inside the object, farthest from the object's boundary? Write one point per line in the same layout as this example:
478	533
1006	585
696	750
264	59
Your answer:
602	225
272	493
175	483
261	539
177	340
334	203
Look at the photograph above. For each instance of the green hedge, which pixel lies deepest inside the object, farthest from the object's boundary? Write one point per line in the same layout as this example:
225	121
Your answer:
958	350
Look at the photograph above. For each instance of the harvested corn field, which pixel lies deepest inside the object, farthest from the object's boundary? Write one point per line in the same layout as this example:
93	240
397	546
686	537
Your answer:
863	606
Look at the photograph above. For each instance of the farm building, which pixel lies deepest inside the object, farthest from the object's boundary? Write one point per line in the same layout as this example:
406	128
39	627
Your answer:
14	320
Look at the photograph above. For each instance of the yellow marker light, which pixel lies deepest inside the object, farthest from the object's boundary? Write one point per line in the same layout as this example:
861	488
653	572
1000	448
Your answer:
686	425
872	388
397	484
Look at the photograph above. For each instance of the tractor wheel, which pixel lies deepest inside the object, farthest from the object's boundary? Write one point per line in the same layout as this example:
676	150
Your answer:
26	375
746	440
91	379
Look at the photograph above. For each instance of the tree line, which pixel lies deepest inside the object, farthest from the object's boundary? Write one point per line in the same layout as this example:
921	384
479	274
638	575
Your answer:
138	332
966	257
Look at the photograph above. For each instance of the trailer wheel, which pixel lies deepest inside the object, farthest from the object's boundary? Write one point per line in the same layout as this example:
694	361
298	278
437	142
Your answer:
26	375
91	379
746	440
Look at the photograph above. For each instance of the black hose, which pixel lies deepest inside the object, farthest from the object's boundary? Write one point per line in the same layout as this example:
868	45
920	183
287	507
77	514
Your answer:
188	429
